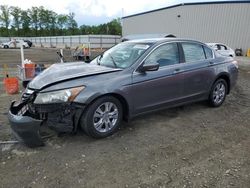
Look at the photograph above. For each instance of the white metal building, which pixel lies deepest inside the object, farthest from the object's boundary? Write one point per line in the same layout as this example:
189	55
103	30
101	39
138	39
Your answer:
225	22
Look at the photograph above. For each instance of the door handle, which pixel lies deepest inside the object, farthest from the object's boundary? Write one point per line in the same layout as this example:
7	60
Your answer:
177	71
211	63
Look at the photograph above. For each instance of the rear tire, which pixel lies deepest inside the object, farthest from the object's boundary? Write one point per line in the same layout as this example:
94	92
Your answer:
102	118
6	46
218	93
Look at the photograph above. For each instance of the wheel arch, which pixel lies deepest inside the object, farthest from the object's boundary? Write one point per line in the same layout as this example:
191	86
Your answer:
122	100
226	77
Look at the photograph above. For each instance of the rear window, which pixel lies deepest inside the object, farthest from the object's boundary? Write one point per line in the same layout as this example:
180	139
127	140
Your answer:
208	52
193	52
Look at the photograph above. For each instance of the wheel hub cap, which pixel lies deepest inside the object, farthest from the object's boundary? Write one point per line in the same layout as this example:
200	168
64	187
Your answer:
219	93
105	117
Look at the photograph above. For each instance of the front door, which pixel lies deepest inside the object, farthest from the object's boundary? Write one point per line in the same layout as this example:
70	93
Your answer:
154	89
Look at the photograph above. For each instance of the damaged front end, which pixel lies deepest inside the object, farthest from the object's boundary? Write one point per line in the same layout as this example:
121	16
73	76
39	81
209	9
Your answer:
27	117
24	127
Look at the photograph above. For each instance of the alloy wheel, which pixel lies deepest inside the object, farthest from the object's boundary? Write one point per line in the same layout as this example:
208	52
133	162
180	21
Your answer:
219	93
105	117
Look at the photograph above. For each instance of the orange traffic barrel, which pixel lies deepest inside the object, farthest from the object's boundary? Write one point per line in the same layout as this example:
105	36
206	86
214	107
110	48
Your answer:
11	85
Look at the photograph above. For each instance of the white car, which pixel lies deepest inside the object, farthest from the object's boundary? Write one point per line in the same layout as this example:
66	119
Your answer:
15	44
222	49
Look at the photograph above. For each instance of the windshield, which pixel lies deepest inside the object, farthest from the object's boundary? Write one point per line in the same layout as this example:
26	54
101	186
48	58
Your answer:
122	55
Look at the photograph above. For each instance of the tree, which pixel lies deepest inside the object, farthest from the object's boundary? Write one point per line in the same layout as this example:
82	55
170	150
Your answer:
52	22
85	29
5	17
16	13
43	21
33	14
39	21
47	21
115	27
62	20
72	24
25	23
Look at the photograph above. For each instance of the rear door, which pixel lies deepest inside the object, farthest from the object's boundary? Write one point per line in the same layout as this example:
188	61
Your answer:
197	70
154	89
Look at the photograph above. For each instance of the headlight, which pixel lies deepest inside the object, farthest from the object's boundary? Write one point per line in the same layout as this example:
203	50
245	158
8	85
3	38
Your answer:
66	95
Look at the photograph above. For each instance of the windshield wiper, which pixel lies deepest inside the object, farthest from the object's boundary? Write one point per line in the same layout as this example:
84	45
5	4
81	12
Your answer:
113	61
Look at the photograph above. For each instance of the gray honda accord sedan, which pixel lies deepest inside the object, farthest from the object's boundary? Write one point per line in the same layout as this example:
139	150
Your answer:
130	79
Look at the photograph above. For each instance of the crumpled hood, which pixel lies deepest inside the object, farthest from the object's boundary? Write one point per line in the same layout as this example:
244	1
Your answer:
66	71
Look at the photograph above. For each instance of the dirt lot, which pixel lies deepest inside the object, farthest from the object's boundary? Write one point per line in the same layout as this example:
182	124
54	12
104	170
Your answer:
189	146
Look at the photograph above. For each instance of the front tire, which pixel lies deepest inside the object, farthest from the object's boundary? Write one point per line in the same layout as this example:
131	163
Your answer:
102	118
218	93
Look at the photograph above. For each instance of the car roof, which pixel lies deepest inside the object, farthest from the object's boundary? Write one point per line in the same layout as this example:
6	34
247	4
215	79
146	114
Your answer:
147	40
145	36
213	44
162	40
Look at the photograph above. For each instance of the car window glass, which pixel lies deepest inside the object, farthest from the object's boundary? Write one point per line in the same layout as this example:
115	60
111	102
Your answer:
193	52
122	55
223	47
208	52
218	47
166	54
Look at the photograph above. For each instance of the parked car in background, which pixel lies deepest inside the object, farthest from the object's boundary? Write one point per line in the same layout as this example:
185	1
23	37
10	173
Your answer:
15	44
29	42
238	52
132	78
222	49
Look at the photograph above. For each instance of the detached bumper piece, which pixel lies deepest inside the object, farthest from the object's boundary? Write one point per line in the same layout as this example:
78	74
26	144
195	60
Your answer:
24	127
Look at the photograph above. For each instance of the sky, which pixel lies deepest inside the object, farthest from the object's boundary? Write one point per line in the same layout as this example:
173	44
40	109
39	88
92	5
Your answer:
94	12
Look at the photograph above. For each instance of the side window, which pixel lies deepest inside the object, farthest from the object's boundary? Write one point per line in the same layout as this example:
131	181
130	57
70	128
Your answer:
218	47
165	55
223	47
208	52
193	52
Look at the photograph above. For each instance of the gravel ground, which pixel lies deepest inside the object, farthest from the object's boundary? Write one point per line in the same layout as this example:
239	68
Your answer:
188	146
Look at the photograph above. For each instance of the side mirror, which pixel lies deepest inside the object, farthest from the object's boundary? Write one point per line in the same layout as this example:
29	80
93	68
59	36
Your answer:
149	67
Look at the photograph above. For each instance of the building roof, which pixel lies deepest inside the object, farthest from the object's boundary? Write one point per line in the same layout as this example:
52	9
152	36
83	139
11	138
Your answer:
185	4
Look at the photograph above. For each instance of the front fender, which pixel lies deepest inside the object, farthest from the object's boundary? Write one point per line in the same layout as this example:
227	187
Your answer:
86	97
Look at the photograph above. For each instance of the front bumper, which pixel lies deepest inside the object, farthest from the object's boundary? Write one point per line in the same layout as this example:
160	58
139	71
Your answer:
24	127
